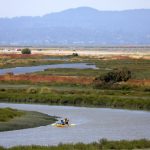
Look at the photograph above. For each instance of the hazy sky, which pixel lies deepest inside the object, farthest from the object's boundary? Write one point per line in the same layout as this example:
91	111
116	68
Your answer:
11	8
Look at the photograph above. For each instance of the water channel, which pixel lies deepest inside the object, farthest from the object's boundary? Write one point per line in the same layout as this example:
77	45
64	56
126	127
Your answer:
23	70
93	124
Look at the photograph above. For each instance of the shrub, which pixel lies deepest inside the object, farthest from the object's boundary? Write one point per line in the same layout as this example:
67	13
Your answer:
2	90
147	89
75	54
45	90
32	90
26	51
112	77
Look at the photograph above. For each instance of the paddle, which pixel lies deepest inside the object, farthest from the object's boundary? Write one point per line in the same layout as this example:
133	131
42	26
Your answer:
55	124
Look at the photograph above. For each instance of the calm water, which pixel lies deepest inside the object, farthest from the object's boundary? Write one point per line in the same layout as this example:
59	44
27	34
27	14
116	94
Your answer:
23	70
92	125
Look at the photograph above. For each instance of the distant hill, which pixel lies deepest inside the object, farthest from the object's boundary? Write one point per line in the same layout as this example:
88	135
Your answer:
82	26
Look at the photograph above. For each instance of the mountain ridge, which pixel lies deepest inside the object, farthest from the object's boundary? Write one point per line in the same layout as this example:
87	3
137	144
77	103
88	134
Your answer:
72	9
83	25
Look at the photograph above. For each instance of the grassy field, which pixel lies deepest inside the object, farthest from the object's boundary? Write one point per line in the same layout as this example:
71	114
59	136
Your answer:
11	63
69	72
12	119
75	86
18	60
140	68
101	145
7	114
129	99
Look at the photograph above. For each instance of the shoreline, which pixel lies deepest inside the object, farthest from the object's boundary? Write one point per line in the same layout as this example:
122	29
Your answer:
29	119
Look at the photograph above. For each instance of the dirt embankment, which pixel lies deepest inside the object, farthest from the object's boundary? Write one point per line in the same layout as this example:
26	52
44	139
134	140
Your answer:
63	79
47	79
139	82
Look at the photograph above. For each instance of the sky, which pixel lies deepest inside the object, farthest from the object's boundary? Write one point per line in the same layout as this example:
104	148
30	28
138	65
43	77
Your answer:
13	8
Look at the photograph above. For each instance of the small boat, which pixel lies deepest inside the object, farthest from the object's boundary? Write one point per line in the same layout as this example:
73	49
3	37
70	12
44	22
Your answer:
62	126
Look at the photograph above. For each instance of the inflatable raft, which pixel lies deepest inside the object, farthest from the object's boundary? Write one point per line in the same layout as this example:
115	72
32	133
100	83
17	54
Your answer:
62	126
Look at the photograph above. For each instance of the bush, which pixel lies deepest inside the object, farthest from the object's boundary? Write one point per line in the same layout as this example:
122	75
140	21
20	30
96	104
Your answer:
147	89
75	54
2	90
32	90
45	90
112	77
26	51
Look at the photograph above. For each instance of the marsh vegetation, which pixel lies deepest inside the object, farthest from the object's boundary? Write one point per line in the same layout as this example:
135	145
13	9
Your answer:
12	119
77	86
101	145
7	114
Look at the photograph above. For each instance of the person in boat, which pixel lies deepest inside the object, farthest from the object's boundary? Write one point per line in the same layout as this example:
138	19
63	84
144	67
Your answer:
62	122
66	121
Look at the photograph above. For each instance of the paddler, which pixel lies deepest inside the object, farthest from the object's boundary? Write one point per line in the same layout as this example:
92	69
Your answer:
62	122
66	121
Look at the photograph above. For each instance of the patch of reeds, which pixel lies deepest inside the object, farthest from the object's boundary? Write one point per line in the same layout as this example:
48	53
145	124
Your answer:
11	119
101	145
103	98
7	114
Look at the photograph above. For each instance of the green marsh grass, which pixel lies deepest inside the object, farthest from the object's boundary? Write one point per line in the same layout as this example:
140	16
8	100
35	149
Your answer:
7	114
101	145
12	119
127	99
